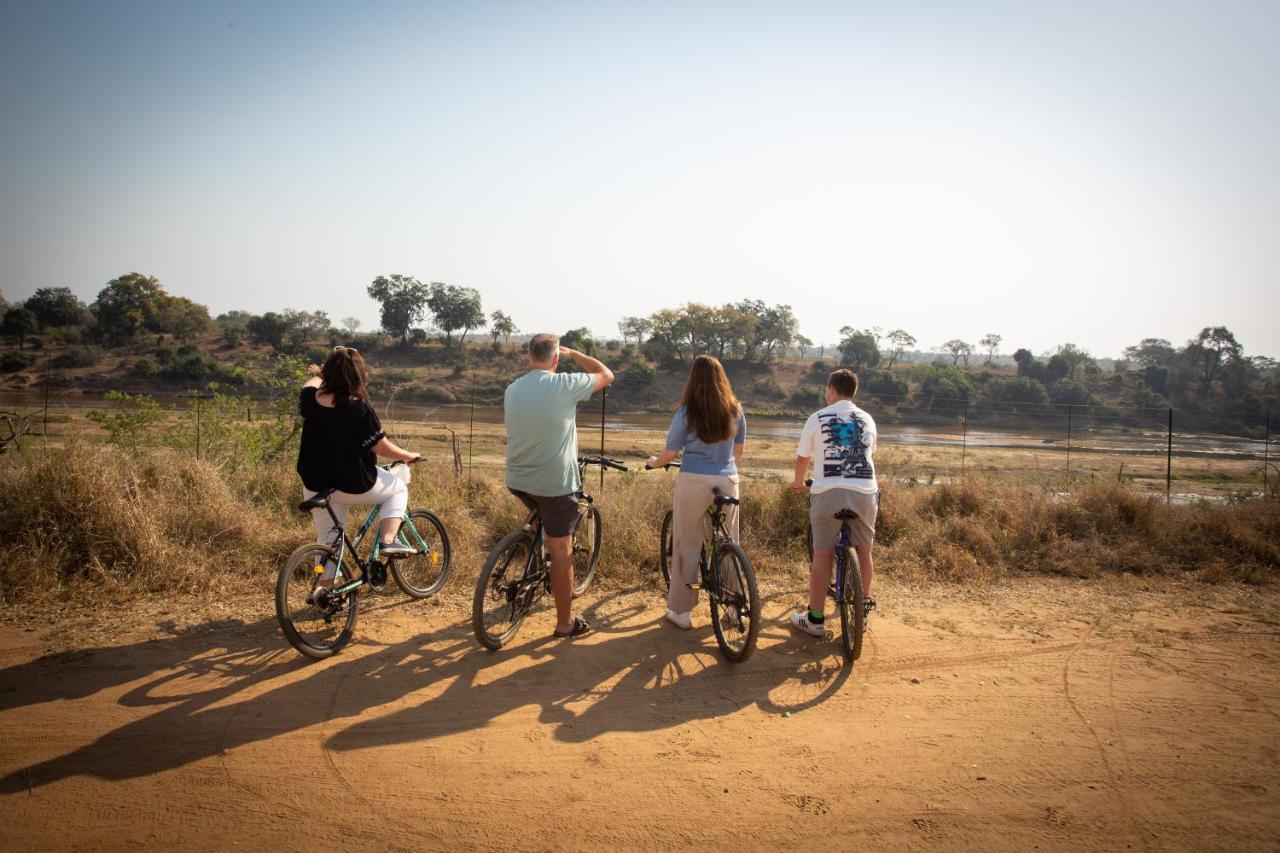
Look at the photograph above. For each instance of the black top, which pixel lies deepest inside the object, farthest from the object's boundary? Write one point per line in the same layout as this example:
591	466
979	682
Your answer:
337	445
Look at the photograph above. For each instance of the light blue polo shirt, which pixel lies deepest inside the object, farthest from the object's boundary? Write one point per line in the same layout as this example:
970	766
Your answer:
697	456
540	410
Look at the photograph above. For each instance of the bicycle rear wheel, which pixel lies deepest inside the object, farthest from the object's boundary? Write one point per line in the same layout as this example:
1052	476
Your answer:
850	602
664	549
735	603
504	591
586	549
315	623
424	573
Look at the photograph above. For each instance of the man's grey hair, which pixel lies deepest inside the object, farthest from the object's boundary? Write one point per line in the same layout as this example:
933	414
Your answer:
543	346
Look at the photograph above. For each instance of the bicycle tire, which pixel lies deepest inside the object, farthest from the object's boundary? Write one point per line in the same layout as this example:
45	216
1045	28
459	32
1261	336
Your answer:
494	579
849	601
664	549
298	576
736	606
586	535
808	541
421	566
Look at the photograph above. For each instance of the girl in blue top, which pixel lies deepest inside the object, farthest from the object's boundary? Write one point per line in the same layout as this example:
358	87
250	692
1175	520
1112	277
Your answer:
710	431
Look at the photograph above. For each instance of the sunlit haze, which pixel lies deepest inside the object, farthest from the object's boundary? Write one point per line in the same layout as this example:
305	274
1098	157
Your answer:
1092	173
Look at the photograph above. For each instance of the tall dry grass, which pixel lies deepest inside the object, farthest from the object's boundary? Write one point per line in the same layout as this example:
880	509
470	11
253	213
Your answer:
156	521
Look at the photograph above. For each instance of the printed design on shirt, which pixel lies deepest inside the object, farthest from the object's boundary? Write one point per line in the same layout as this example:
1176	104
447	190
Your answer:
372	440
844	447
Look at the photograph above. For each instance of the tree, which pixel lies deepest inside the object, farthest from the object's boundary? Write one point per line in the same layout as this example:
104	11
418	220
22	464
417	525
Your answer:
1151	351
269	329
1020	389
233	326
946	385
1074	358
128	305
1024	359
404	302
579	339
20	322
899	342
57	307
181	317
303	326
801	344
501	326
350	325
958	349
990	343
455	308
634	328
1210	350
858	349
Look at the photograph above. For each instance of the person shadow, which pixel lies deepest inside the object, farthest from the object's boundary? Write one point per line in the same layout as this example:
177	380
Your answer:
644	676
635	675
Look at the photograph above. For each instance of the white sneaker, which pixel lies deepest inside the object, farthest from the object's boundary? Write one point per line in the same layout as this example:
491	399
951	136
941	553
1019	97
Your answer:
680	620
800	621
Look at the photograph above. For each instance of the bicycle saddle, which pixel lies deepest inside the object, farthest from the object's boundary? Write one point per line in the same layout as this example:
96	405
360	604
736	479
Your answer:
319	501
722	499
846	515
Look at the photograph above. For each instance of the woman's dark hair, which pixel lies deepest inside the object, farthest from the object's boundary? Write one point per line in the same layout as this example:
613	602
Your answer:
710	408
345	376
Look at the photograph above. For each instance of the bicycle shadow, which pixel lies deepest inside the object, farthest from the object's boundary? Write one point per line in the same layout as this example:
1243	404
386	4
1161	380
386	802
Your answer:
648	678
636	675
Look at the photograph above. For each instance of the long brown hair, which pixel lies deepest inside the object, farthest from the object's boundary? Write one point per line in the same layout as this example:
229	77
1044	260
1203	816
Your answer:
710	408
345	376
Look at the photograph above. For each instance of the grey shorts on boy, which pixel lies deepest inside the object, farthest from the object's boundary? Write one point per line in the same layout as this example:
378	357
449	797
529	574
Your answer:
826	527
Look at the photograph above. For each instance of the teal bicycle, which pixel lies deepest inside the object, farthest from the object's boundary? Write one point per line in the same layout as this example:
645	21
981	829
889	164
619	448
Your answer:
319	620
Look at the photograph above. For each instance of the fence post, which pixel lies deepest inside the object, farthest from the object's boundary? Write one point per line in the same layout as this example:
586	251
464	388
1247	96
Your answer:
964	435
604	402
45	431
471	433
1266	453
197	396
1168	464
1070	408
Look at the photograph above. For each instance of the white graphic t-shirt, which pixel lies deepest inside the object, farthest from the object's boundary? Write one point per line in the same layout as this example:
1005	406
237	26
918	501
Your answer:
841	440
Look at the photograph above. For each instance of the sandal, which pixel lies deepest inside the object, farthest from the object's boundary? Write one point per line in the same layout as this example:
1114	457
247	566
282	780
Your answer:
580	629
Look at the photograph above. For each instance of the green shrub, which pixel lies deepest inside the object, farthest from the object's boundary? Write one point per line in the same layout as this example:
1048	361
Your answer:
12	362
639	375
78	357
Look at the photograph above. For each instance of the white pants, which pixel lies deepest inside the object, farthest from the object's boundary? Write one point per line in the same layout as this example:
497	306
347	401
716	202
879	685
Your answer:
390	491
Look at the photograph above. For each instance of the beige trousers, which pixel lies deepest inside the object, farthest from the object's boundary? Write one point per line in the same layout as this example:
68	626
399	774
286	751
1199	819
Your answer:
689	526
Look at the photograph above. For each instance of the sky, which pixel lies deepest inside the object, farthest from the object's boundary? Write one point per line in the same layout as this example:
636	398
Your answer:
1093	173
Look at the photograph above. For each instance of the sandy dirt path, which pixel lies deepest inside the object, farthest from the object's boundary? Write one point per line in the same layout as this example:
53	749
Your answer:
1044	715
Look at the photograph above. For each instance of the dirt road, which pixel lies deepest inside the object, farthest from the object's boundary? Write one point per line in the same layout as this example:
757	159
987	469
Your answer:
1045	715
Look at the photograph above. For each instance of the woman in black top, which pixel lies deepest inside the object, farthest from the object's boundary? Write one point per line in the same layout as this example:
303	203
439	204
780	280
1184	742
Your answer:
341	441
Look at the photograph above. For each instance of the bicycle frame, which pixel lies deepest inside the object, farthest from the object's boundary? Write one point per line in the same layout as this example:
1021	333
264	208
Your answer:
343	543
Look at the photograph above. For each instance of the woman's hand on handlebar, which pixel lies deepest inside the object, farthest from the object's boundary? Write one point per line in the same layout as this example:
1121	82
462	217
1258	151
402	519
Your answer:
662	460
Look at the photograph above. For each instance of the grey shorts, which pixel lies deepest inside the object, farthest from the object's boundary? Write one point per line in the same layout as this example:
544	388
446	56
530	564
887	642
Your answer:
559	514
826	527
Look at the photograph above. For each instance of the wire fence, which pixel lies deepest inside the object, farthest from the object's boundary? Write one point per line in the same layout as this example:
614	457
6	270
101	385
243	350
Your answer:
1050	444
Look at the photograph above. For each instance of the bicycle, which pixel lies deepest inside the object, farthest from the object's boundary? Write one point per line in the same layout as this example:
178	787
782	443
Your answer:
845	588
318	621
517	572
732	593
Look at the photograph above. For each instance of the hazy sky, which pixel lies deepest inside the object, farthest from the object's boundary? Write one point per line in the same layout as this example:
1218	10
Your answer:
1085	172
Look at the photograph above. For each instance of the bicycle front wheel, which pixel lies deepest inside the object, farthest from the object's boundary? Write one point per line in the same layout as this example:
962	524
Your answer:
664	549
425	572
735	603
315	622
586	549
850	602
504	592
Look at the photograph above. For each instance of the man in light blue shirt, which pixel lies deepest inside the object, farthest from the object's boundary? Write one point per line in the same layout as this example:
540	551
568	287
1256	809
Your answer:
540	413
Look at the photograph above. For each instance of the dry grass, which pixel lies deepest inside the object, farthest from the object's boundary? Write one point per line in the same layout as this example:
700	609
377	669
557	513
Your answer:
157	522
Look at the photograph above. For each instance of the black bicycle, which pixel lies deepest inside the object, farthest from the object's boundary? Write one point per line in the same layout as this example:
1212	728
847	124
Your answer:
731	589
845	588
319	620
517	572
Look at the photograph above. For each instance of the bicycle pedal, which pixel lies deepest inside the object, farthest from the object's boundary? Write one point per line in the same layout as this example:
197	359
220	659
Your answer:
694	586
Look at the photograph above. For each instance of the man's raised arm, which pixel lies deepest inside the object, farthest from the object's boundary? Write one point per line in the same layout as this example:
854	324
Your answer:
602	374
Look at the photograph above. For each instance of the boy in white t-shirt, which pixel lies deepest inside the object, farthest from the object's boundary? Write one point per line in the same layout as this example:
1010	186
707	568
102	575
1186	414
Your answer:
840	441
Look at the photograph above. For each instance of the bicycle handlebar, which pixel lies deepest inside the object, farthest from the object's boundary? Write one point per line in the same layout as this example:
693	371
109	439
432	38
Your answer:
649	467
603	461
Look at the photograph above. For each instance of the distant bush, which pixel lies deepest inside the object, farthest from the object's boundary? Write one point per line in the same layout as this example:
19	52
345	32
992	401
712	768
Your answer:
12	362
1071	391
1020	389
639	375
768	387
882	385
807	395
78	357
143	367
